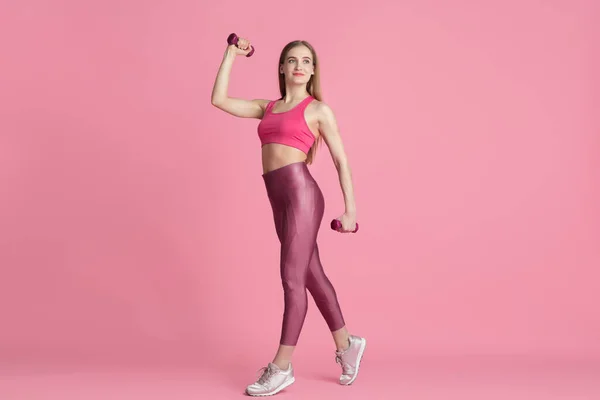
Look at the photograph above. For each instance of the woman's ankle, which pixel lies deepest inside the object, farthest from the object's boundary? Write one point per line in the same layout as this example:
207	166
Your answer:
344	346
282	364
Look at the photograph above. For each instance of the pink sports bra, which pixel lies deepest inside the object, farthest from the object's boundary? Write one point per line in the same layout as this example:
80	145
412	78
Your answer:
288	127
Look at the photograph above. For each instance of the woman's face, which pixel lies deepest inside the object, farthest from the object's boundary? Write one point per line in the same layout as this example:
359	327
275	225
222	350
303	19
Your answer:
298	65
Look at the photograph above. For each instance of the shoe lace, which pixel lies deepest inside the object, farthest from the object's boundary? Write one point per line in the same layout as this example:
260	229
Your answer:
265	374
345	366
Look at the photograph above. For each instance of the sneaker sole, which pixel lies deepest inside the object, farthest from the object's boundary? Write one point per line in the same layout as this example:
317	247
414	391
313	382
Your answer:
279	389
360	354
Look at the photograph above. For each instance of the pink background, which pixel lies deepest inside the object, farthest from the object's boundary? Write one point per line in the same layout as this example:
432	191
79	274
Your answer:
135	228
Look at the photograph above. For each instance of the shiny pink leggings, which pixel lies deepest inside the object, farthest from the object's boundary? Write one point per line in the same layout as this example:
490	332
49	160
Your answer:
298	206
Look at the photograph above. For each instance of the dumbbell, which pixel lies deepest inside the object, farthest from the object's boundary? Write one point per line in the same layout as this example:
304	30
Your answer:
336	224
233	39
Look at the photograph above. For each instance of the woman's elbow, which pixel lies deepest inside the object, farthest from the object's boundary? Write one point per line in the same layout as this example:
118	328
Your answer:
218	101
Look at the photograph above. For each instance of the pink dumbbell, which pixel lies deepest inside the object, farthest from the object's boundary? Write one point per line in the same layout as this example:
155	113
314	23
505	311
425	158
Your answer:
233	39
336	224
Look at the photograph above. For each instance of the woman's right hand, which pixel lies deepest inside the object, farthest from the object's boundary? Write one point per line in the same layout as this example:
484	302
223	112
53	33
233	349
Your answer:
242	48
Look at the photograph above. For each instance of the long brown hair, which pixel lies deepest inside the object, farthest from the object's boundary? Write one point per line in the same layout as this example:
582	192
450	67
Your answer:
313	87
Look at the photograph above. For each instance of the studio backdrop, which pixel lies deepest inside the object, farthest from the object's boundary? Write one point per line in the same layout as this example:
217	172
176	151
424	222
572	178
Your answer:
134	222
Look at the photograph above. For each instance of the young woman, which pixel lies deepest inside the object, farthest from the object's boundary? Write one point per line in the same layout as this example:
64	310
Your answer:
290	130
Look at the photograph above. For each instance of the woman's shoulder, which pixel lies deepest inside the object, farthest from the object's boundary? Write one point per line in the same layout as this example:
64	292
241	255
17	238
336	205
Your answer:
321	109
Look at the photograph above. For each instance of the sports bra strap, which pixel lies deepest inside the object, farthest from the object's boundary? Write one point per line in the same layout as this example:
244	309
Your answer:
269	106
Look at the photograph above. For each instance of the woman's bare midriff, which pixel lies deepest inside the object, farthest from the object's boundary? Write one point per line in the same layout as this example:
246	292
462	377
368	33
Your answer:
275	155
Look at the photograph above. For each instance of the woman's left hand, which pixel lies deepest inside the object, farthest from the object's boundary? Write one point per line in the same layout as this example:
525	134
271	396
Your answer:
348	223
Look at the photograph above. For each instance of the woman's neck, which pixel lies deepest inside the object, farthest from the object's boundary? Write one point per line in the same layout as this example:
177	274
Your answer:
295	94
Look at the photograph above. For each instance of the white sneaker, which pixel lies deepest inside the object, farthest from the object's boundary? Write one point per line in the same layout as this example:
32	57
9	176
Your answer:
350	359
272	381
